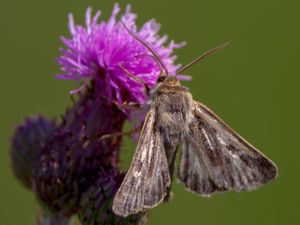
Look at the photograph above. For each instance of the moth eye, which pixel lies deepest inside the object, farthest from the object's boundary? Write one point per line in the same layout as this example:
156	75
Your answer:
161	79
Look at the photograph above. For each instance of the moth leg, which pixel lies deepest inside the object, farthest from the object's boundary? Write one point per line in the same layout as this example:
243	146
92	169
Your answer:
129	105
147	88
124	105
118	134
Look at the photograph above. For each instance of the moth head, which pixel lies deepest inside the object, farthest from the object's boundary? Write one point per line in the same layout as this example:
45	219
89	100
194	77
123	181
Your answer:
168	80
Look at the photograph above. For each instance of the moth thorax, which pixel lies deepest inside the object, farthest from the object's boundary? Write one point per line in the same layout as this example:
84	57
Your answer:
171	81
174	111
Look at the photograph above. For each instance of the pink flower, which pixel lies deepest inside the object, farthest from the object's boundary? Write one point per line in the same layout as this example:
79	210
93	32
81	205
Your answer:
97	50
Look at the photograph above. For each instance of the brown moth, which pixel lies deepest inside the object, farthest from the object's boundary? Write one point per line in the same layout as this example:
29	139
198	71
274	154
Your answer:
213	158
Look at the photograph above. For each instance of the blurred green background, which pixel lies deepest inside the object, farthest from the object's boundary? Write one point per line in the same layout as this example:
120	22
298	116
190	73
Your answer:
253	85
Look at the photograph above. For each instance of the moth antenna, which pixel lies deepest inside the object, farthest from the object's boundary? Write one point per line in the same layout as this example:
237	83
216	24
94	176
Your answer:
163	68
204	55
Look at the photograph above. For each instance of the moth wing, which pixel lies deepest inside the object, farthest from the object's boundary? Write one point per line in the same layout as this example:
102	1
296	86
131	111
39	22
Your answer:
215	158
147	180
192	171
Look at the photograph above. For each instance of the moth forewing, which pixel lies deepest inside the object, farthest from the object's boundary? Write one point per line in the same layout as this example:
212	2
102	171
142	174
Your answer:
147	180
215	158
250	149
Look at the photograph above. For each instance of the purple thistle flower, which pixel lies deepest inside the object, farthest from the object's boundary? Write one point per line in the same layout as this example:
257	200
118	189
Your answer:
95	52
74	170
74	156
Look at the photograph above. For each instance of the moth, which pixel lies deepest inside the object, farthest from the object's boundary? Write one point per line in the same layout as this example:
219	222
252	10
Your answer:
213	157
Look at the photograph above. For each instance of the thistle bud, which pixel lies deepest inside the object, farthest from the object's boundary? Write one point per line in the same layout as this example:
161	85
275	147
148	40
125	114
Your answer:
27	142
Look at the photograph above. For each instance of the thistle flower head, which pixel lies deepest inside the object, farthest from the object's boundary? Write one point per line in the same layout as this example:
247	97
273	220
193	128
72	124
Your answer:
97	50
74	169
